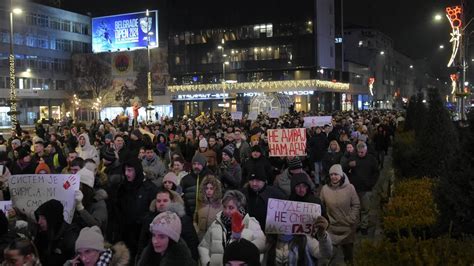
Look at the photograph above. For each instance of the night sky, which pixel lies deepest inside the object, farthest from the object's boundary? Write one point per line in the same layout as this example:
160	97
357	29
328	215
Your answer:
409	23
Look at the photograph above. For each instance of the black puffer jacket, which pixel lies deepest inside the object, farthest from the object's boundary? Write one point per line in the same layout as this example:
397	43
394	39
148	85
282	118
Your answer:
309	197
56	245
365	173
175	254
257	202
189	184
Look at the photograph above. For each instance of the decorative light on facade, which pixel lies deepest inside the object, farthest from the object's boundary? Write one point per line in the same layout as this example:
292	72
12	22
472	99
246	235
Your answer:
454	17
310	84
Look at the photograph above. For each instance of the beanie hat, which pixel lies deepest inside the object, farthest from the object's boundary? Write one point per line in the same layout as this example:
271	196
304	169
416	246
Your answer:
203	143
109	155
17	142
256	148
137	133
254	138
336	169
242	250
90	238
229	150
23	152
90	166
87	177
258	173
295	163
171	177
199	158
109	136
167	223
42	167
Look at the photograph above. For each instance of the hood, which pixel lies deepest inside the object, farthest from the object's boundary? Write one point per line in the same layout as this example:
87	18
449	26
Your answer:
175	207
137	165
87	145
52	210
217	185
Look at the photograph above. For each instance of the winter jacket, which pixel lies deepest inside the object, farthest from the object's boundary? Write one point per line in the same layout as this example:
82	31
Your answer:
244	150
177	254
313	249
208	207
211	248
56	245
251	164
95	214
188	233
154	170
211	157
257	202
88	151
318	145
365	173
283	182
342	207
331	158
309	197
230	174
23	169
190	185
134	200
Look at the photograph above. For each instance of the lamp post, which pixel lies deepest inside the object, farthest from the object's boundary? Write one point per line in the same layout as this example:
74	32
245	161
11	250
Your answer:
13	112
150	98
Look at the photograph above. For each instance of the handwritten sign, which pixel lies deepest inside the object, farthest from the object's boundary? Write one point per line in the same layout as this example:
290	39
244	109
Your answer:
28	192
317	121
236	115
274	113
252	116
287	142
291	217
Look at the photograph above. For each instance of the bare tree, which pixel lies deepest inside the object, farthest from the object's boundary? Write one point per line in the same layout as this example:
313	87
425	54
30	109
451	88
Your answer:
93	74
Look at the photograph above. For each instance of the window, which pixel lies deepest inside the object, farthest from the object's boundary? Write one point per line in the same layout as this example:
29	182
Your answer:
60	84
63	45
65	25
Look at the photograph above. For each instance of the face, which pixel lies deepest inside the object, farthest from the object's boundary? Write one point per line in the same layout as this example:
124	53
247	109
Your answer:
256	154
301	189
149	154
14	145
189	134
212	142
210	190
177	166
71	156
236	263
75	169
333	146
197	167
130	173
118	142
225	157
27	158
39	148
14	258
349	148
256	185
160	242
362	153
168	185
335	178
141	154
162	201
82	141
229	208
89	257
318	130
237	136
50	149
42	223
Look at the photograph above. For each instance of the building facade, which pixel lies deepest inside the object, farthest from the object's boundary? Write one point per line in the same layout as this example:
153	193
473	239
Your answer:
277	57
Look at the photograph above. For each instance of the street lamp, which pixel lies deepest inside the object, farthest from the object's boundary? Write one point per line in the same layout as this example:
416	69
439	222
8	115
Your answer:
13	112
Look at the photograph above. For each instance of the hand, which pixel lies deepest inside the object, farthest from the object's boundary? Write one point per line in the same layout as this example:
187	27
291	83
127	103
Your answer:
78	196
321	224
76	260
352	163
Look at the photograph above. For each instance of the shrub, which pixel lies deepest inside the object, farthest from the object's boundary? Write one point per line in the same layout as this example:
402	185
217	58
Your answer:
412	251
405	155
412	210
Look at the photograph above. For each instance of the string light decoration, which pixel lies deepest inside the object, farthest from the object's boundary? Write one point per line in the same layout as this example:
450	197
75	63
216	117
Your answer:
454	17
454	78
371	85
266	86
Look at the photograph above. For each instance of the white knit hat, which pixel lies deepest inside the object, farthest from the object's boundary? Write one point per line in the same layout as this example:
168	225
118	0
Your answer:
203	143
167	223
87	177
90	238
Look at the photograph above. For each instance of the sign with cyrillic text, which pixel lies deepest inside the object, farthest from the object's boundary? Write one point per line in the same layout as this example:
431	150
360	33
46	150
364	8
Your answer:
28	192
317	121
236	115
291	217
287	142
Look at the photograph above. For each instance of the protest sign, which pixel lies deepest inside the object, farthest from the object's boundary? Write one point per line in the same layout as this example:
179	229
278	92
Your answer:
28	192
274	113
291	217
236	115
287	142
317	121
252	116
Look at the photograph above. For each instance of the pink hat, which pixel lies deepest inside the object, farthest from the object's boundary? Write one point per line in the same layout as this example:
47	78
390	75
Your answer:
171	177
167	223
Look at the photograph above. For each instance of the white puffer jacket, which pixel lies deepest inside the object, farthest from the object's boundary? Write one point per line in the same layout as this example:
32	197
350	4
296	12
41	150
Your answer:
211	248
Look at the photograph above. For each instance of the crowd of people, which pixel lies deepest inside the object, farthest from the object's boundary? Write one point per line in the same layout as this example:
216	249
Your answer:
193	191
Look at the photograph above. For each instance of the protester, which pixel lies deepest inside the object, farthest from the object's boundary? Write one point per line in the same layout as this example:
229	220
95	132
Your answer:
21	251
229	170
85	150
210	196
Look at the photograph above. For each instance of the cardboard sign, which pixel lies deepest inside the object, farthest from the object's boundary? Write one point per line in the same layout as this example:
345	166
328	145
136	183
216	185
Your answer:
291	217
252	116
287	142
28	192
274	113
236	115
317	121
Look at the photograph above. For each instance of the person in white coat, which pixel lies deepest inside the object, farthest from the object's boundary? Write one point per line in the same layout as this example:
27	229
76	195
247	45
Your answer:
219	234
85	150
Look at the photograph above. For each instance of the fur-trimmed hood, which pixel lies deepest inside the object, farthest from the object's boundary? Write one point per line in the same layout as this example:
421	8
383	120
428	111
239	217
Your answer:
121	255
210	179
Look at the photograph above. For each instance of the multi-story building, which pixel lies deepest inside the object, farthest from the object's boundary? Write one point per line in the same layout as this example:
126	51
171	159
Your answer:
44	40
272	56
392	72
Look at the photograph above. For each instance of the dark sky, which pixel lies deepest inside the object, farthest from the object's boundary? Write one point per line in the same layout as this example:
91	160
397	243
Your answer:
409	23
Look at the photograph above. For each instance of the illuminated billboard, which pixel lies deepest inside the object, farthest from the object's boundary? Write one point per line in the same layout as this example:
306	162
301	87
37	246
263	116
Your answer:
125	31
